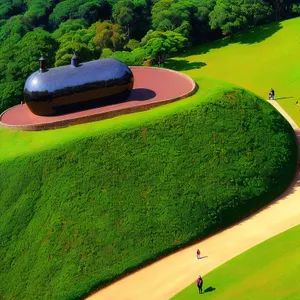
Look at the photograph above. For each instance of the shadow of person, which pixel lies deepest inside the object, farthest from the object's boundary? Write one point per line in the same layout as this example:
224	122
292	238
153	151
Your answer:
282	98
209	289
201	257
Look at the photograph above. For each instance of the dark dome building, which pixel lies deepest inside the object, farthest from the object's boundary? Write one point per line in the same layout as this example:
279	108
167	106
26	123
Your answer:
77	86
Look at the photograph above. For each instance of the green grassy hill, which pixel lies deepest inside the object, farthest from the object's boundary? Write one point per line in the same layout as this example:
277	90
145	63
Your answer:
83	205
263	58
267	271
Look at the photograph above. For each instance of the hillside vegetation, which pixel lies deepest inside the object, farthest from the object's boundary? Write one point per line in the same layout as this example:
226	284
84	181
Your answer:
267	271
78	215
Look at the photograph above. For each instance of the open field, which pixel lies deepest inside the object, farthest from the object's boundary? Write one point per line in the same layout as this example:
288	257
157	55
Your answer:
257	60
267	271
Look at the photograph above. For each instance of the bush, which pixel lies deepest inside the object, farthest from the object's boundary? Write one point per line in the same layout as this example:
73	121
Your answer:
79	216
106	52
132	45
134	58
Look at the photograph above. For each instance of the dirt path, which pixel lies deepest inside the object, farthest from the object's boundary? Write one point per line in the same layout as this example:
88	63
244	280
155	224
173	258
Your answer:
168	276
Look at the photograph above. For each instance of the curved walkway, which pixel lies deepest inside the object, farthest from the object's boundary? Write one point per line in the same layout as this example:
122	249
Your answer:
168	276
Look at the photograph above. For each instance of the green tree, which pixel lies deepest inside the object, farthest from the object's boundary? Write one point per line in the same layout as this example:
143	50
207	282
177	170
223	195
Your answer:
123	14
80	41
201	31
233	15
91	10
14	26
283	8
29	49
296	9
137	57
9	8
142	18
38	11
110	35
132	16
174	15
11	93
18	59
21	60
64	54
70	25
160	45
131	45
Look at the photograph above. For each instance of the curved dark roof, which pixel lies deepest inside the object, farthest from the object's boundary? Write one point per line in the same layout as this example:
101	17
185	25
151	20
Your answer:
69	76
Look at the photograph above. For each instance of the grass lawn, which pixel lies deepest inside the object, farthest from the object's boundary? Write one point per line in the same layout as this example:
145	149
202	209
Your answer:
269	270
262	58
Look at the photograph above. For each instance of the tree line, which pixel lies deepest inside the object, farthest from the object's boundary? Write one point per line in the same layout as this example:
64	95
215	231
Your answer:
138	32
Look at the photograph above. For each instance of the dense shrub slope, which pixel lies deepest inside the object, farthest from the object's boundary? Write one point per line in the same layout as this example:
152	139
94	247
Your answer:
78	216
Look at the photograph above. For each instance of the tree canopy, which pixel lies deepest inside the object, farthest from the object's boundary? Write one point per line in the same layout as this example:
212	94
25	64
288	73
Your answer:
134	31
232	15
159	45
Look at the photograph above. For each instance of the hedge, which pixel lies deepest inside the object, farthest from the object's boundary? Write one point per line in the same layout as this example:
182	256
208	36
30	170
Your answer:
79	216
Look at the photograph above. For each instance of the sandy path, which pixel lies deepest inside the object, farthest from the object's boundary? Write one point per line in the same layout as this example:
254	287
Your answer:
168	276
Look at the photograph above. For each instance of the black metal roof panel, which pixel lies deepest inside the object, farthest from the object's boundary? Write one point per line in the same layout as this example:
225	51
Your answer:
69	76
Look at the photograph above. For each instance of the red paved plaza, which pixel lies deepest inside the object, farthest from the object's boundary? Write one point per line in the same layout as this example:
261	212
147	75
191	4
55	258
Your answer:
152	87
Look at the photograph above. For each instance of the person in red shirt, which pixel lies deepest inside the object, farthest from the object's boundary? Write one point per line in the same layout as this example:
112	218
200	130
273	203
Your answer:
199	283
198	253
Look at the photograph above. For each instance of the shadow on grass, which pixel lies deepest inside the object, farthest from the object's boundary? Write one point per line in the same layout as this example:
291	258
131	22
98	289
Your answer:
209	289
251	36
183	65
282	98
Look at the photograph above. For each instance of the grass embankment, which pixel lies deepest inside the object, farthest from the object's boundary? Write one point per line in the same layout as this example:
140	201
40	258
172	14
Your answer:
19	143
267	271
77	215
262	58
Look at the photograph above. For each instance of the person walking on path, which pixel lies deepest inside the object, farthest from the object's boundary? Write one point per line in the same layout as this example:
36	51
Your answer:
199	283
272	94
198	253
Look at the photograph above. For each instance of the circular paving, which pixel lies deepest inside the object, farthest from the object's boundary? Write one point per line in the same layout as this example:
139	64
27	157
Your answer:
152	87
